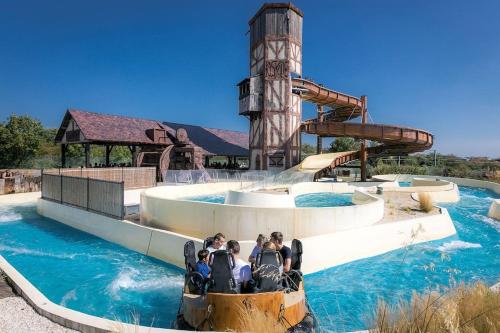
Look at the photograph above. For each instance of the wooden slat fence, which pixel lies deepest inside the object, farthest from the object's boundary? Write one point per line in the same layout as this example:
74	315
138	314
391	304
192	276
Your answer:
132	177
96	195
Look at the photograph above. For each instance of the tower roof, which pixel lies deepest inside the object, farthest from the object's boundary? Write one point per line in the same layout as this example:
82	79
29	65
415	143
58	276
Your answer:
266	6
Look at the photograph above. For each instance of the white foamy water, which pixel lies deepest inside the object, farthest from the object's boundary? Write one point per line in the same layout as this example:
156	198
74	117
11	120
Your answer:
457	245
132	279
69	296
488	220
9	217
8	214
22	250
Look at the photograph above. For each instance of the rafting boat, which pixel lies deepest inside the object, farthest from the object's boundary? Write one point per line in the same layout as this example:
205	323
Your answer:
277	300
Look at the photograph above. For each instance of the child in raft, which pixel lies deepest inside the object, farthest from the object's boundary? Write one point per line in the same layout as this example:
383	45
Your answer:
202	264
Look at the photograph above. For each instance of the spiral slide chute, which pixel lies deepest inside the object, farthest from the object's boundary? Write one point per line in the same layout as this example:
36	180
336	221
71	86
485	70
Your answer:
393	140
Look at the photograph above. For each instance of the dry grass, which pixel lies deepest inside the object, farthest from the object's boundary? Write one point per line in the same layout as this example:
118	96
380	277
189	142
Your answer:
255	320
468	309
425	202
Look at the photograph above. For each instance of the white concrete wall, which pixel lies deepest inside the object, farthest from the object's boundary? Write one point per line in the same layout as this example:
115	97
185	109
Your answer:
459	181
494	210
257	199
330	250
323	250
160	209
161	244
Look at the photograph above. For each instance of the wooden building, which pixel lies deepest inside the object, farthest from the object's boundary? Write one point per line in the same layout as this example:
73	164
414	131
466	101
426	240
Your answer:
151	143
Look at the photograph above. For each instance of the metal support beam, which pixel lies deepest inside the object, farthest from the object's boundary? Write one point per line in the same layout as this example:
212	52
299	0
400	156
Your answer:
363	154
319	139
87	155
64	148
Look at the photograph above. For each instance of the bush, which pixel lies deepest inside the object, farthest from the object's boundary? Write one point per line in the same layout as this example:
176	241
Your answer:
383	169
425	201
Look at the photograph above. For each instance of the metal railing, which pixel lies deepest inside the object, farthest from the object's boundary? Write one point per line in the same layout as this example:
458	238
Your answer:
96	195
215	176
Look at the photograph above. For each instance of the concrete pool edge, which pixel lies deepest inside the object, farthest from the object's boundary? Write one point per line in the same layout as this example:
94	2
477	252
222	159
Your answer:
495	187
64	316
347	245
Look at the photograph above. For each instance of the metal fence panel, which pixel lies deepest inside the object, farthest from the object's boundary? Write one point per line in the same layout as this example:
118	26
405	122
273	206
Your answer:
99	196
51	187
106	197
74	191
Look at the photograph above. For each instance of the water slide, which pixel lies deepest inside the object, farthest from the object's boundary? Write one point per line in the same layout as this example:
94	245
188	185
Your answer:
391	139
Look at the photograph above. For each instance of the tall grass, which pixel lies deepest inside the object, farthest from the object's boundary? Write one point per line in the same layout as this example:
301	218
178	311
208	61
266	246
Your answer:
425	202
255	320
468	309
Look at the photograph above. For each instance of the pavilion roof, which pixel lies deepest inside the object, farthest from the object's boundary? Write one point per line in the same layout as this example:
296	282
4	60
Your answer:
115	129
216	141
97	127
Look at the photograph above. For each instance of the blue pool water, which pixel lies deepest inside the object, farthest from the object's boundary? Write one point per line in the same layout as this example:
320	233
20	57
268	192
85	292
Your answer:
91	275
86	273
342	296
404	184
325	199
212	198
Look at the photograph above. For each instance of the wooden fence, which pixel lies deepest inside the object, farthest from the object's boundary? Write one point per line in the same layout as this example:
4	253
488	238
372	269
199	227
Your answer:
96	195
132	177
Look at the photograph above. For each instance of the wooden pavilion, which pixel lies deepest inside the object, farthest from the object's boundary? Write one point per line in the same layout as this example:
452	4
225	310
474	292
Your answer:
151	143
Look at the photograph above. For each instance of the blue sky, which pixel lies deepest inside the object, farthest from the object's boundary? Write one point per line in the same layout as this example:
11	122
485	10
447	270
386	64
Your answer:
434	65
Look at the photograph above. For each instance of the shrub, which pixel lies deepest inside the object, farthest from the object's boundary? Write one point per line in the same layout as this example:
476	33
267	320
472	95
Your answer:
425	201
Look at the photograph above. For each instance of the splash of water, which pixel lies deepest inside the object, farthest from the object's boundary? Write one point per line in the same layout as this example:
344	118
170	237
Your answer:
132	279
10	217
69	296
457	245
37	253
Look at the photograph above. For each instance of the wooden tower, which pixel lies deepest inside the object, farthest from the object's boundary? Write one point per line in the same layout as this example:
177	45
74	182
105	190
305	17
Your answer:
266	97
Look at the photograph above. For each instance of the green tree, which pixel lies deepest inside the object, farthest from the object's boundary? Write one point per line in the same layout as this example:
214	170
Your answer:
344	144
307	149
20	140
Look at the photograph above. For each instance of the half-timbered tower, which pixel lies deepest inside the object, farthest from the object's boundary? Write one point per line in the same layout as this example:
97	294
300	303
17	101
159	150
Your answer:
266	97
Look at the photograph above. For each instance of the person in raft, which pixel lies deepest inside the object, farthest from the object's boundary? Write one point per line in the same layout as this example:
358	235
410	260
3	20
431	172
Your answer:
285	251
218	243
242	272
202	264
261	239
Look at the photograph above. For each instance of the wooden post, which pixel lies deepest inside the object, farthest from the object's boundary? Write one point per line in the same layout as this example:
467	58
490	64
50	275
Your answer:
64	148
133	151
363	155
108	153
319	139
87	155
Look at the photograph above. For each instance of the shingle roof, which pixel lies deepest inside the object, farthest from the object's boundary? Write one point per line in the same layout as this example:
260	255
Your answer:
102	128
216	141
97	127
